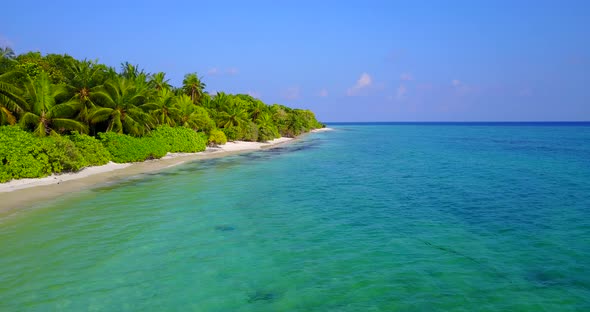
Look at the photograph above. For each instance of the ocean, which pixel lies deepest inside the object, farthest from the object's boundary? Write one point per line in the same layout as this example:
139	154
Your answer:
368	217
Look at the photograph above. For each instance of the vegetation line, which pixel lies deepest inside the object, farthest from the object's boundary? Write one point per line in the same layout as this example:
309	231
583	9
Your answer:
60	114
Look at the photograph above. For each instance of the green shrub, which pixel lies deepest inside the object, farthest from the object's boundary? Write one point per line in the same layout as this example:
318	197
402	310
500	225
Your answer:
217	137
249	132
92	150
21	155
125	148
201	120
179	139
62	154
268	133
152	148
231	133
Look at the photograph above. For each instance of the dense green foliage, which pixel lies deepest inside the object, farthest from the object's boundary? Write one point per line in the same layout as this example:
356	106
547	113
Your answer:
79	113
62	154
217	137
21	155
179	139
92	150
125	148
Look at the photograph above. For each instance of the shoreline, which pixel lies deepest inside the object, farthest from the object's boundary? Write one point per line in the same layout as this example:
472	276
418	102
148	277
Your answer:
21	193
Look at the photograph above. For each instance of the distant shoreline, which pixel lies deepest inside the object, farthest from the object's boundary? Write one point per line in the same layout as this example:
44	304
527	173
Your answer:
20	193
465	123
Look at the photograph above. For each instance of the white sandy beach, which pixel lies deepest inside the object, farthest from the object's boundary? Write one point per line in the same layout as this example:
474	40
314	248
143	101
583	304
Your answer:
230	147
25	192
321	130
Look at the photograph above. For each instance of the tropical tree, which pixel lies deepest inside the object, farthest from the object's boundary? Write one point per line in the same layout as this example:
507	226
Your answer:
193	86
11	102
266	127
43	111
163	107
232	114
220	100
7	53
159	82
256	109
120	102
85	77
130	71
193	116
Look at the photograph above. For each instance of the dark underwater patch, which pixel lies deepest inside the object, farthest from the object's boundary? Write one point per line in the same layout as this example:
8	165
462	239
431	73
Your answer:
262	296
455	252
163	173
554	278
118	184
224	228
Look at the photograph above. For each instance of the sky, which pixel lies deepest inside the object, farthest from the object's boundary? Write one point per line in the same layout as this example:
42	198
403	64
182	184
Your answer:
345	60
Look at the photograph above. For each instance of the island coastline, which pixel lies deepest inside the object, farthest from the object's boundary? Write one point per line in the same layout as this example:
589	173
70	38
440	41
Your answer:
17	194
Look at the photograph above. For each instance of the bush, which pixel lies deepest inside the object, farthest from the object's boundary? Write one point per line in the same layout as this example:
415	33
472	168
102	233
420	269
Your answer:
21	155
268	133
179	139
92	150
249	132
230	133
201	120
125	148
217	137
62	154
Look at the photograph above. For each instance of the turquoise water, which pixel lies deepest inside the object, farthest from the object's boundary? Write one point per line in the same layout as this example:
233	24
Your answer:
363	218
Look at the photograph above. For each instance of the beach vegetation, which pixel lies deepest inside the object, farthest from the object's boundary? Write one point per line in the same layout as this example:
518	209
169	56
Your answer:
60	114
217	137
94	153
179	139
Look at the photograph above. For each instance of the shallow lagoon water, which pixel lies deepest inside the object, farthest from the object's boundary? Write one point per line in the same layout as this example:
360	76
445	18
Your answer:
363	218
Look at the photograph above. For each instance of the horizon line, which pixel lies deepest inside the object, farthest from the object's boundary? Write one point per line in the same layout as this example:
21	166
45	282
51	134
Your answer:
442	121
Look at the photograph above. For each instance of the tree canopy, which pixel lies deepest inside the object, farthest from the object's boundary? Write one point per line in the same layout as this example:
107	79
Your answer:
55	94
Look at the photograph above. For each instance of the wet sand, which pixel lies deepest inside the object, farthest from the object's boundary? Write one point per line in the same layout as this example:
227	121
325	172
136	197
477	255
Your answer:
23	193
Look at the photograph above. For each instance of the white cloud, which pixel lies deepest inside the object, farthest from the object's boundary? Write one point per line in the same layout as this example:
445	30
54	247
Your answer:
401	92
363	82
323	92
4	42
292	93
462	89
213	71
406	77
253	94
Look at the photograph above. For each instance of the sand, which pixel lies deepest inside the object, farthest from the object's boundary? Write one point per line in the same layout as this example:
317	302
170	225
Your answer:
23	192
321	130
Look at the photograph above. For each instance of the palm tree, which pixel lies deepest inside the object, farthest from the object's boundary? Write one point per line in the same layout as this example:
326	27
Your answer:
85	77
220	100
256	109
158	81
44	112
233	114
7	59
163	107
266	127
11	101
193	86
130	71
7	53
120	100
193	116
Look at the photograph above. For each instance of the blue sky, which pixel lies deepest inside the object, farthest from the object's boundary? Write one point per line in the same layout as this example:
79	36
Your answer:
345	60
